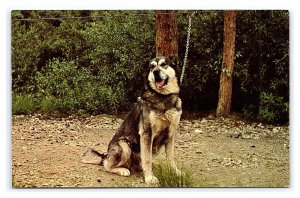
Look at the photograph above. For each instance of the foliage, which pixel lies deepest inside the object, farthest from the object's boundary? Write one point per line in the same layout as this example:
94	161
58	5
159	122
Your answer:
272	107
80	66
94	64
262	63
168	177
49	104
204	61
70	89
23	104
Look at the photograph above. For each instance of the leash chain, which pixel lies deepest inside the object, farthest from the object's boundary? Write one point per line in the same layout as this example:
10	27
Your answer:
187	46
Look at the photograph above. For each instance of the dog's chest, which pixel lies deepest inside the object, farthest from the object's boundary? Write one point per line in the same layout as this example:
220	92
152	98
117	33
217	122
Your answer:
161	121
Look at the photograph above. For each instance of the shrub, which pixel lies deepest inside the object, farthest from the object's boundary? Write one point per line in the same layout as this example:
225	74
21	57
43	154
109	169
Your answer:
248	111
64	87
22	104
48	104
272	107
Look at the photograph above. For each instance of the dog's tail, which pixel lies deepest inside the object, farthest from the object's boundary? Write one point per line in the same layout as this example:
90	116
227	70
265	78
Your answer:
91	156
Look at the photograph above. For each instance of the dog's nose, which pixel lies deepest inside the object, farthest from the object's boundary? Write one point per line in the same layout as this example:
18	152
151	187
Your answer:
156	73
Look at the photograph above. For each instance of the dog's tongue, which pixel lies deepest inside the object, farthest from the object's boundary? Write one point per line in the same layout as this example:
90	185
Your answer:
159	84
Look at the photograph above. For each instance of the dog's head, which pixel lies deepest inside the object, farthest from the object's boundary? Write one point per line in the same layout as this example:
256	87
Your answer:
162	74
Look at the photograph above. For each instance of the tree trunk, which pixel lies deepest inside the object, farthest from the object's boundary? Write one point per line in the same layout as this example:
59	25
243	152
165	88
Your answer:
166	33
225	91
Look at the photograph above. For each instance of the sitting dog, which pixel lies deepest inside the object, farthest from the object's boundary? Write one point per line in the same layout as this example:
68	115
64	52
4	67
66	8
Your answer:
152	123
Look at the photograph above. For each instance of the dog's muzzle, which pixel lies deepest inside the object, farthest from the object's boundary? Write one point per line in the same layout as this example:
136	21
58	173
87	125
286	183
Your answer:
160	78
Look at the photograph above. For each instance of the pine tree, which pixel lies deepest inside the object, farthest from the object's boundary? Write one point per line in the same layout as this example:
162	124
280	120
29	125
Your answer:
225	90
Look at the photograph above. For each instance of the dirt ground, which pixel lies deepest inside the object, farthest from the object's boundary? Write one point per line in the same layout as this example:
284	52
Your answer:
230	152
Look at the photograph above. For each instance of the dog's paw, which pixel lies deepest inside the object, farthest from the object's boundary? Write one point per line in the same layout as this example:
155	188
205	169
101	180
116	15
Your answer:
151	180
124	172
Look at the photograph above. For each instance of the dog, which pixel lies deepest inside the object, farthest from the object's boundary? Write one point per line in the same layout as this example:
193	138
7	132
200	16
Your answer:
151	124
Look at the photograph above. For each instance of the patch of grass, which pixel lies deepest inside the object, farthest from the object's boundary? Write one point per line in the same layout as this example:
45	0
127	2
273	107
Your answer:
48	104
22	104
168	177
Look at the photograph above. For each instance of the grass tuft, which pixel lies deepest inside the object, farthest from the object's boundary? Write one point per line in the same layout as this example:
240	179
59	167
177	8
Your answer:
168	177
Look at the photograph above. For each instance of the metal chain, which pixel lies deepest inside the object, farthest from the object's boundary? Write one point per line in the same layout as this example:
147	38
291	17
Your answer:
187	46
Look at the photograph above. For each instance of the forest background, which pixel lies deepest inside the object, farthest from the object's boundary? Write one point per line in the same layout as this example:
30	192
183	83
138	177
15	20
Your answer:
90	62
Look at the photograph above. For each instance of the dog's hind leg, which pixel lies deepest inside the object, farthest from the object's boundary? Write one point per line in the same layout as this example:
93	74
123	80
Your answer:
118	159
91	156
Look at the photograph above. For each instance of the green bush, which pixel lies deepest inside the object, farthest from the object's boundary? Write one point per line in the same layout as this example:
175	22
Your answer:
23	104
49	104
62	86
248	111
272	107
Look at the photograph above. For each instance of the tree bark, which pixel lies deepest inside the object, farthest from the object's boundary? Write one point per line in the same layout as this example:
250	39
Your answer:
225	90
166	33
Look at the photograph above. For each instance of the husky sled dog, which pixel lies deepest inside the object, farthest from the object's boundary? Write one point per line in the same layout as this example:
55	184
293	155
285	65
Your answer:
152	123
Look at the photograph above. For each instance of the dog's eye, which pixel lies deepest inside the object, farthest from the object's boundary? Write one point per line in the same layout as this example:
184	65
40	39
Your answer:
163	64
152	66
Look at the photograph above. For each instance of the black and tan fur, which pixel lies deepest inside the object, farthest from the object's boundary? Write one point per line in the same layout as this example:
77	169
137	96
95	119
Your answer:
152	123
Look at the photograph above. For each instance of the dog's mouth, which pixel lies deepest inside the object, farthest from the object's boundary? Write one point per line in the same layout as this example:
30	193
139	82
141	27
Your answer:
160	83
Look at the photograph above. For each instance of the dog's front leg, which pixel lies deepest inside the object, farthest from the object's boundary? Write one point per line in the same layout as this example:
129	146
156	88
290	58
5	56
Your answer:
170	145
170	154
146	155
170	150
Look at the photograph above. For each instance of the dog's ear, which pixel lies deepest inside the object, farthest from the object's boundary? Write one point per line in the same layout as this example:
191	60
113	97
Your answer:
174	59
145	68
174	62
146	62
